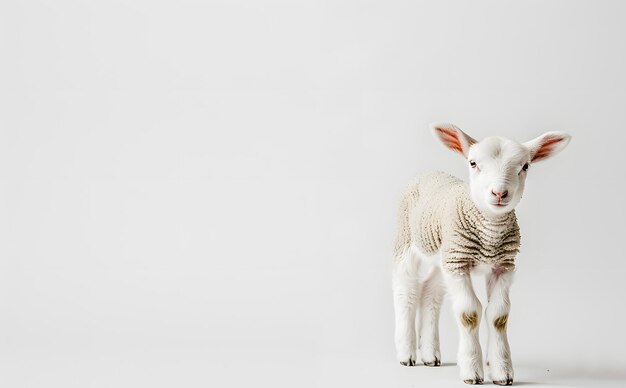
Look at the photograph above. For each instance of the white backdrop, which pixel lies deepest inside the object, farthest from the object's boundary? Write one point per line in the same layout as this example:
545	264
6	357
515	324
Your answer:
203	193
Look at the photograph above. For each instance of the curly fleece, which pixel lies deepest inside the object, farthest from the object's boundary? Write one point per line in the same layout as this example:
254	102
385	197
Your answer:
438	215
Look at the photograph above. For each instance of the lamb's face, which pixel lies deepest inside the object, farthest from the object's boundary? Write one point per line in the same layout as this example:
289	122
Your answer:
497	172
498	166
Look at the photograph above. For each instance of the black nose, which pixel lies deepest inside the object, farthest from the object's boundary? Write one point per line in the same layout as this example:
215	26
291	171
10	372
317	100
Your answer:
501	194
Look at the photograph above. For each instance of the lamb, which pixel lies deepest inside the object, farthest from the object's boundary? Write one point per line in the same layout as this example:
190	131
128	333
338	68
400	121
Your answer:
455	230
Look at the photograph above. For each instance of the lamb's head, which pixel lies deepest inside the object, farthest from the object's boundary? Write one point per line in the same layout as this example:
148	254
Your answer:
498	166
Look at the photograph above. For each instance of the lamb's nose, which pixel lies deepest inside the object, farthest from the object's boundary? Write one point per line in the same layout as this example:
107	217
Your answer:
500	194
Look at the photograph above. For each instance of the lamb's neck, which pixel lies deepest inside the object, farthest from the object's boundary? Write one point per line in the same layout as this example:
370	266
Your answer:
488	220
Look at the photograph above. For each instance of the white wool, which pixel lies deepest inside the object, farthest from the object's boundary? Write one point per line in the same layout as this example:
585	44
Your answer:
437	215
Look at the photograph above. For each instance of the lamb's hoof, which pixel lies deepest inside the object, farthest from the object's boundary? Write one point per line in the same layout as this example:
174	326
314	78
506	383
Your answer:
437	362
409	362
475	381
501	373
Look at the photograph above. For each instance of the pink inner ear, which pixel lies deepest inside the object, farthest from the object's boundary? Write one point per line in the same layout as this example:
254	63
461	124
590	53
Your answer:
547	147
451	139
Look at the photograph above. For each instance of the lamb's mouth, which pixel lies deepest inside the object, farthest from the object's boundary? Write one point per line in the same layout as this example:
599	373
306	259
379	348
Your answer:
500	204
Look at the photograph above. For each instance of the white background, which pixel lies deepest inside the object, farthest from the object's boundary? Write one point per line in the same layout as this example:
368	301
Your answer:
203	193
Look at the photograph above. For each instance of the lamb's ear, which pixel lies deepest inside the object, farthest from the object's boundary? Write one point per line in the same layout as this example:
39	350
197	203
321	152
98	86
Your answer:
547	145
452	137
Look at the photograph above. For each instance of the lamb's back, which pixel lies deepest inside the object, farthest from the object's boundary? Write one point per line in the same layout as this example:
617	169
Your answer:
425	207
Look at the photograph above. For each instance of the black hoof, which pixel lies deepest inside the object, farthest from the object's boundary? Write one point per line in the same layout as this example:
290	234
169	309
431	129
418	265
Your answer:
437	362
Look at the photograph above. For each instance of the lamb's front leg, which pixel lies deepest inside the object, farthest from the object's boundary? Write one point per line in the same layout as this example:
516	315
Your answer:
499	362
467	312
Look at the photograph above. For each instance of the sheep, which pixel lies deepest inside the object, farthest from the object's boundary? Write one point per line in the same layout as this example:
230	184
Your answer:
454	230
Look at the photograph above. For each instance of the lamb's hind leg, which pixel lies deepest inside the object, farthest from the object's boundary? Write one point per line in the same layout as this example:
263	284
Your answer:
430	306
406	298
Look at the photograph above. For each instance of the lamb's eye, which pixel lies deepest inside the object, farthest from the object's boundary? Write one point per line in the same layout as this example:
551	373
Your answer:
473	164
525	167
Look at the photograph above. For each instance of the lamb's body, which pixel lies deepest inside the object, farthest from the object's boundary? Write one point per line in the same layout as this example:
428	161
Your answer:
439	225
437	215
